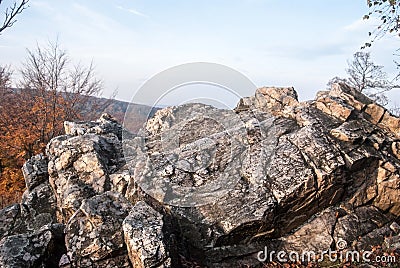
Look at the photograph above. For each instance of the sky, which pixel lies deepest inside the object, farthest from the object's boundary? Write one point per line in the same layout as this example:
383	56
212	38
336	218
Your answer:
274	43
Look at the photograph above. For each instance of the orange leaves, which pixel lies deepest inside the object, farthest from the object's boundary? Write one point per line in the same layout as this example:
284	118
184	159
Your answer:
27	123
53	92
11	186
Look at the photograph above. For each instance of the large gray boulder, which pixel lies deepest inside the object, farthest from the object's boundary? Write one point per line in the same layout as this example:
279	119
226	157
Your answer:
80	162
94	236
281	162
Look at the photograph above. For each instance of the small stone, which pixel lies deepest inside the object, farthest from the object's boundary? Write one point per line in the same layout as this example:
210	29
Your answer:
395	227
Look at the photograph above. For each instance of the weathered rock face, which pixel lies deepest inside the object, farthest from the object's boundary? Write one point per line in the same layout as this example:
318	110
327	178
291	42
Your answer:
38	205
80	162
42	248
294	160
93	233
144	237
212	188
35	171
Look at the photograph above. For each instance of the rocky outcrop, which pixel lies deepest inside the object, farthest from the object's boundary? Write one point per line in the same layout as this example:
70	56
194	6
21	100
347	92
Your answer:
144	237
94	235
81	162
200	186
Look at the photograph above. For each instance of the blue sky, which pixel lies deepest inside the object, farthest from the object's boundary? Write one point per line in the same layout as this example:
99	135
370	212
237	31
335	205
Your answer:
275	43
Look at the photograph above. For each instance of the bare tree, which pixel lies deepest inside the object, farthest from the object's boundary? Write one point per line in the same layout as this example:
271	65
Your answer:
395	110
52	89
365	74
388	14
5	82
367	77
335	80
11	13
61	90
5	77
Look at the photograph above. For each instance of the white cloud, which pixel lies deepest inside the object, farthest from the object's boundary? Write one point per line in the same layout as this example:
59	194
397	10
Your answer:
362	25
133	11
42	5
96	19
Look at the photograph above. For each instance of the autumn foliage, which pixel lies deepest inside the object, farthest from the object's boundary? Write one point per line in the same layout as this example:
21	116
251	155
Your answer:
50	92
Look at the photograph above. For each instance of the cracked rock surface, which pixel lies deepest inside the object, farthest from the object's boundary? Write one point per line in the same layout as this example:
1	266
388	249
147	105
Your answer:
93	233
144	237
199	186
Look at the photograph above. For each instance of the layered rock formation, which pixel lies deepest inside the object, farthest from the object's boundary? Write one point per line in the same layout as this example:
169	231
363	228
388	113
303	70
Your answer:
202	187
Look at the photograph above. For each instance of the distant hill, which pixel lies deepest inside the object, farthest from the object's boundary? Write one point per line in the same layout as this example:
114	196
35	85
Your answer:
117	109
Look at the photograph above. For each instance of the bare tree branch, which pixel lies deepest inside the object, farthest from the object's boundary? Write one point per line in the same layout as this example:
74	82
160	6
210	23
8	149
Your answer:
11	13
388	13
5	77
63	91
367	77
